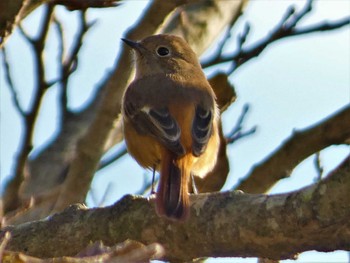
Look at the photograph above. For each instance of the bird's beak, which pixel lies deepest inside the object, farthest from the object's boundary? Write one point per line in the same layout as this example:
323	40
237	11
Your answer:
134	45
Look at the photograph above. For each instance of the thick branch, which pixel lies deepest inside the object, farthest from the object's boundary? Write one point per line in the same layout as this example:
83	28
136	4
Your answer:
333	130
11	11
222	224
85	4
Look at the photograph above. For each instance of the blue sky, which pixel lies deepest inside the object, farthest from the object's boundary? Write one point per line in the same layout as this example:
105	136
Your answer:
294	84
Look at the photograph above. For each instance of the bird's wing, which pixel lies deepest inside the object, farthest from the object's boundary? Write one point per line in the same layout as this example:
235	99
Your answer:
201	129
157	123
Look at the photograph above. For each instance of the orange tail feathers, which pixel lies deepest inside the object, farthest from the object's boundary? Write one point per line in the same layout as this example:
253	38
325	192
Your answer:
172	199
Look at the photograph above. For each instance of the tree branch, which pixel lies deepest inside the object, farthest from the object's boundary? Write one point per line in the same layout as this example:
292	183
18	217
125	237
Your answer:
128	251
11	12
333	130
287	27
236	133
85	4
10	84
69	64
11	198
229	224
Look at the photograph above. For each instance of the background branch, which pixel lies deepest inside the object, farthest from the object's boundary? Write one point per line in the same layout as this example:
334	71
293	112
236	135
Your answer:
11	198
10	83
287	27
236	132
331	131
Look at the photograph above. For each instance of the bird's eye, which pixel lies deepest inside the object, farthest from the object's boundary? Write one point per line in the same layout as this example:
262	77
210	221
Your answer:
163	51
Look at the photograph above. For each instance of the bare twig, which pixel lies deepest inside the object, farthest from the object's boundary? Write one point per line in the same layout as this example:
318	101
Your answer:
236	132
10	83
331	131
226	37
69	64
287	27
61	42
290	23
324	26
38	43
243	36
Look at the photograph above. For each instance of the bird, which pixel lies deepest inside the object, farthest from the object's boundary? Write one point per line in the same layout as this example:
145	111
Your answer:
170	119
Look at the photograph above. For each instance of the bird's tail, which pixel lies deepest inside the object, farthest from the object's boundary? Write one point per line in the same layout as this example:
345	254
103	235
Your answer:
172	199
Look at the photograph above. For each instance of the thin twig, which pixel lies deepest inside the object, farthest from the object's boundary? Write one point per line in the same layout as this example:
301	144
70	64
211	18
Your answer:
236	133
299	16
69	64
324	26
10	83
61	42
223	42
243	36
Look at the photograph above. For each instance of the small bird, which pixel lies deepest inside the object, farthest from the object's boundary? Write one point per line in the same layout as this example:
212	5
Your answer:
170	119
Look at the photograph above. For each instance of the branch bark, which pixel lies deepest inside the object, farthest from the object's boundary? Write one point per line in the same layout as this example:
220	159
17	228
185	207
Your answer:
280	164
223	224
10	13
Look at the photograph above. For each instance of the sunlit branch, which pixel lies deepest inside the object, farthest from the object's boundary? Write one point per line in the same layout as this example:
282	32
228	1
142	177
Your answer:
333	130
